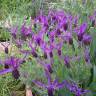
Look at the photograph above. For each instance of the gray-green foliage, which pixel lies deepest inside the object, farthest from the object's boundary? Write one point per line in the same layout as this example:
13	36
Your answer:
8	85
30	71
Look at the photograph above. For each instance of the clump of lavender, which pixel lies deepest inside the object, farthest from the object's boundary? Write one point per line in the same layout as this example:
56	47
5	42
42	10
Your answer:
52	32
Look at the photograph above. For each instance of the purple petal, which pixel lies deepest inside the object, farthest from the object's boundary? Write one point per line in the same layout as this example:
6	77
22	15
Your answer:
2	72
87	39
87	55
67	61
15	73
48	67
83	27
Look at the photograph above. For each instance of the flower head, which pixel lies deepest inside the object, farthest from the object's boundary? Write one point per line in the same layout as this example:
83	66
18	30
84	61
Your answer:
73	87
87	55
14	31
81	32
26	31
51	85
13	64
87	39
67	61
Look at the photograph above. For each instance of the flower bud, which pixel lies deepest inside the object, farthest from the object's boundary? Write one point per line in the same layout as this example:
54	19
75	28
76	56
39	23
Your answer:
6	50
51	54
87	39
50	92
6	66
65	26
70	41
67	61
38	40
93	23
34	54
15	74
58	32
49	67
80	36
59	52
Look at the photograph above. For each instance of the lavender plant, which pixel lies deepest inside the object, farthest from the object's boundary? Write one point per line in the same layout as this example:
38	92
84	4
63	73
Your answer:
58	47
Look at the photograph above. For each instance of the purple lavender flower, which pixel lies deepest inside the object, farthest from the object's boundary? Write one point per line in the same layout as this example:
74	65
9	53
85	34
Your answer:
58	47
83	27
6	63
42	20
59	52
6	66
23	29
26	31
58	32
19	43
67	37
93	19
60	16
6	50
14	31
87	39
15	73
49	67
67	61
63	24
52	16
33	50
81	32
75	21
48	49
13	64
75	89
51	54
52	36
51	86
38	38
45	23
87	55
70	40
93	23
